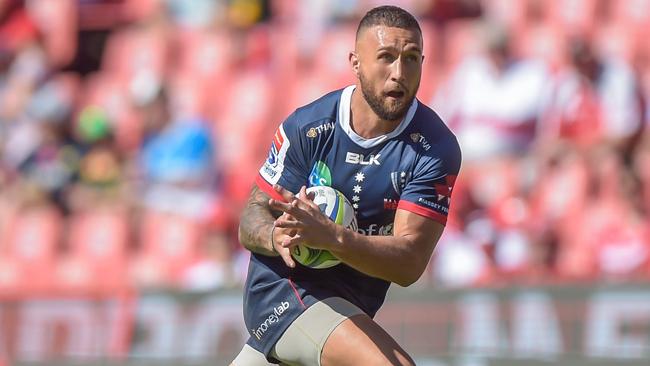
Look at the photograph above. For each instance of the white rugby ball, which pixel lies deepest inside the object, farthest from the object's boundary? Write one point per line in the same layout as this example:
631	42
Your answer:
338	209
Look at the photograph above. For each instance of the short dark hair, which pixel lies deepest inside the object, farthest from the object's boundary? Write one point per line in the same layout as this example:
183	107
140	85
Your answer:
390	16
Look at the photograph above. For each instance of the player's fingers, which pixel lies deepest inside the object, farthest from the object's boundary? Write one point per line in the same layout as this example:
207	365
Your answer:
308	199
293	241
288	224
285	254
297	209
303	193
287	216
279	205
287	196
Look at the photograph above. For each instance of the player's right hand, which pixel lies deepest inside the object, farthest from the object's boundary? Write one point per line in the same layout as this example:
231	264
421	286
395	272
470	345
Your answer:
279	236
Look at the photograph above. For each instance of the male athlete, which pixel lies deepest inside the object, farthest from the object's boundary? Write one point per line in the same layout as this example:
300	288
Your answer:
395	160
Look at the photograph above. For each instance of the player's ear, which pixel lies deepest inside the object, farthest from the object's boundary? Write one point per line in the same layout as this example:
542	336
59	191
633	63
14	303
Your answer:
354	62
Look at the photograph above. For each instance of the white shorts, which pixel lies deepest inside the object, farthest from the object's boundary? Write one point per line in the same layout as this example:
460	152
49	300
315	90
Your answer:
302	343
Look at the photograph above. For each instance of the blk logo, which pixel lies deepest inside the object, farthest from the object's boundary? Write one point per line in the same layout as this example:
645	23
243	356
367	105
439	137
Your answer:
354	158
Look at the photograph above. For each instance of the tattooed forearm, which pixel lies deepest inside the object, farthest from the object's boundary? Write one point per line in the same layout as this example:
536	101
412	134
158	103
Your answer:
256	223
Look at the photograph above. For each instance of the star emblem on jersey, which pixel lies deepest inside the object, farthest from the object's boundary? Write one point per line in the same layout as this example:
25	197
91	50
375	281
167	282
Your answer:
359	177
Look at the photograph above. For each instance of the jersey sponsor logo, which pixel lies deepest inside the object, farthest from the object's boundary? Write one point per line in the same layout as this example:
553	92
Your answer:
354	158
390	204
274	164
272	319
399	180
320	175
418	137
436	206
374	229
315	131
276	145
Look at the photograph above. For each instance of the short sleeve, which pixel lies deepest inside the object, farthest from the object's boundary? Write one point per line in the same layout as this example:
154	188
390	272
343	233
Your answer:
286	162
429	191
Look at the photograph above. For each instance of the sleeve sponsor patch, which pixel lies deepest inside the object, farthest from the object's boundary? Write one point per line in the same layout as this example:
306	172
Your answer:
274	164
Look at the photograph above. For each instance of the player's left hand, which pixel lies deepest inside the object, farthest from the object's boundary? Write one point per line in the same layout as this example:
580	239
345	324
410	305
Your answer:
312	227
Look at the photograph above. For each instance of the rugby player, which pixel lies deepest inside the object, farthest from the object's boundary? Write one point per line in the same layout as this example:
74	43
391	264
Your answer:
395	160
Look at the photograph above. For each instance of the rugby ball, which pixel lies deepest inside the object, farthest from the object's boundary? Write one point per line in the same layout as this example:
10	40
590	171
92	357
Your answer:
338	209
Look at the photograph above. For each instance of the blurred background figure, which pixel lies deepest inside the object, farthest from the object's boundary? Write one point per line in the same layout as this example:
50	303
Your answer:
494	99
598	99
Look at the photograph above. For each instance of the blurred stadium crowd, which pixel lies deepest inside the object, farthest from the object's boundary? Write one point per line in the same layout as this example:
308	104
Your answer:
131	132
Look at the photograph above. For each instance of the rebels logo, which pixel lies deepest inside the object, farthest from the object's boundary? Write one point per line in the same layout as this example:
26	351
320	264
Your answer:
354	158
444	190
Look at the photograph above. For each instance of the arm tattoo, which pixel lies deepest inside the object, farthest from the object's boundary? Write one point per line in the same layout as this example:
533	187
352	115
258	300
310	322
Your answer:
256	223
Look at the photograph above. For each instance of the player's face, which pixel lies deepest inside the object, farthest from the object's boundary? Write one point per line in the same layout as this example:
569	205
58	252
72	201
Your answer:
389	68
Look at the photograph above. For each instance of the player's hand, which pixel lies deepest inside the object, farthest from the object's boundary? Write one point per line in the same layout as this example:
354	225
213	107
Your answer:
281	235
312	227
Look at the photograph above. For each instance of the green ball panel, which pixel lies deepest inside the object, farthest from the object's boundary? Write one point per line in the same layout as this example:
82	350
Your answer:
314	258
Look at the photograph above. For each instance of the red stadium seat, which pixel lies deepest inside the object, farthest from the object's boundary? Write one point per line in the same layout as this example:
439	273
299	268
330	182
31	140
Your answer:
572	16
97	246
430	68
57	23
601	227
561	206
205	57
634	15
542	41
189	96
461	40
510	13
136	56
331	58
307	87
244	127
31	246
169	244
137	10
616	40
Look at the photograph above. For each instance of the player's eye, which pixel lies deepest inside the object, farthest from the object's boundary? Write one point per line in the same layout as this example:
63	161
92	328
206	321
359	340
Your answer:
386	57
412	58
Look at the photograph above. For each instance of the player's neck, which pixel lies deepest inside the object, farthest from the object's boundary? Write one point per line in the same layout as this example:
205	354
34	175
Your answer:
364	121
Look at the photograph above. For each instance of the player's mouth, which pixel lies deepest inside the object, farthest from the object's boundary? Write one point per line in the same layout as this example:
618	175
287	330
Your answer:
397	94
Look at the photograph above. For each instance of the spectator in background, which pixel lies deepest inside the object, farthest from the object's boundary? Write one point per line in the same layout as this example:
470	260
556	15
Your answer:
596	100
177	161
101	177
493	100
607	237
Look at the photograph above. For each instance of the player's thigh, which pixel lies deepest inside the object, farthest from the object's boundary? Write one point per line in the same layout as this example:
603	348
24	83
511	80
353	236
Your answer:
360	341
303	341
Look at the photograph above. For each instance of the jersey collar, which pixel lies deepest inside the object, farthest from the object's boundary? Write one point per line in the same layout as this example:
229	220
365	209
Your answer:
344	121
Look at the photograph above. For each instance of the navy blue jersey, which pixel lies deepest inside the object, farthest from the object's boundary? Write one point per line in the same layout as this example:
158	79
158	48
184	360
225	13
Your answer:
412	168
